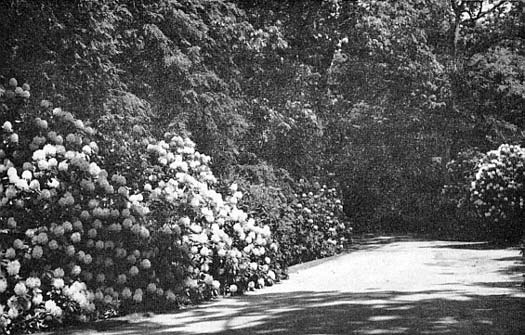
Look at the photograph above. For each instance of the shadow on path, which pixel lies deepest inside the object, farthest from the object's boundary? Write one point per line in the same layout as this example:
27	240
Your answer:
425	312
414	287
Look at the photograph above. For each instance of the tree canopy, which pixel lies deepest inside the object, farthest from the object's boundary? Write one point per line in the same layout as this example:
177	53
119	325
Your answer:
365	93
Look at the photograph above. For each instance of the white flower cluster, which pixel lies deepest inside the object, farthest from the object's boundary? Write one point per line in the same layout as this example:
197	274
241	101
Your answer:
498	189
62	211
222	238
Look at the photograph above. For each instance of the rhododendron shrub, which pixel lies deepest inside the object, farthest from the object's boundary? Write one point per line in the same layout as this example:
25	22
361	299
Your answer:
225	246
205	243
307	222
66	222
78	241
323	231
46	180
498	190
83	236
204	240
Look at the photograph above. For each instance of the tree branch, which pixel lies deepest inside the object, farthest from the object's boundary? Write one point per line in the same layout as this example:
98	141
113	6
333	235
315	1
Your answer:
491	10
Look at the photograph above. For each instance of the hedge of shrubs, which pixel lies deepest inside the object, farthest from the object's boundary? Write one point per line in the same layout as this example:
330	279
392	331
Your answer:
307	219
80	238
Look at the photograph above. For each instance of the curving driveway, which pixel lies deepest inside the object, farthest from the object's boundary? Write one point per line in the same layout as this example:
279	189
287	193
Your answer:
386	286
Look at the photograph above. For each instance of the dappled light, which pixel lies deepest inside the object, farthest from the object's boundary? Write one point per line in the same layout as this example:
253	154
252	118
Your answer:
431	312
449	291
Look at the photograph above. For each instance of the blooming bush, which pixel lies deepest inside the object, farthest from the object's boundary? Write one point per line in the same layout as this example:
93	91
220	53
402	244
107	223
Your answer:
498	190
227	251
307	222
319	220
78	241
486	191
52	191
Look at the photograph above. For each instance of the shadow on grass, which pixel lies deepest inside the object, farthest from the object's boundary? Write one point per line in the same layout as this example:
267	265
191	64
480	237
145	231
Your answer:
422	312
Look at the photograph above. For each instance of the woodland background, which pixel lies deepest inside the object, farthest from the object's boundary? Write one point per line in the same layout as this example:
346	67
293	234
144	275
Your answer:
374	97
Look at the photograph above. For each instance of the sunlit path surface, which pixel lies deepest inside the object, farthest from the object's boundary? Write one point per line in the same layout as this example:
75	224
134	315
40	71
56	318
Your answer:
403	287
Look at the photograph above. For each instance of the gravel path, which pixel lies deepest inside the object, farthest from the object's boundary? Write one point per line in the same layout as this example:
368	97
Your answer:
387	286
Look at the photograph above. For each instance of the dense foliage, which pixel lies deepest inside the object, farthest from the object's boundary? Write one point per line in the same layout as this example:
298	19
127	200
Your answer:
307	222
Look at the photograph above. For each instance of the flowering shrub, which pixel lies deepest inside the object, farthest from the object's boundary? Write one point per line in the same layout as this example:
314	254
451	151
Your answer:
52	191
498	190
78	241
320	227
307	223
227	251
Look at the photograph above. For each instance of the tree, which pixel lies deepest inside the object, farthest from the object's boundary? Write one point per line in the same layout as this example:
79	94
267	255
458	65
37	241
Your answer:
178	59
67	47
